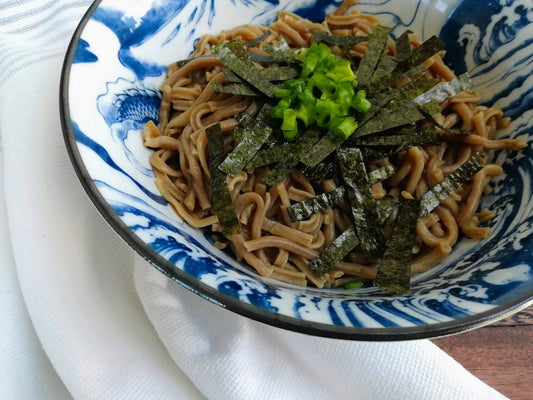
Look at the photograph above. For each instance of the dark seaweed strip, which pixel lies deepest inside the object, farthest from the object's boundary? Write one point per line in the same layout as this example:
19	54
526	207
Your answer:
413	72
403	46
240	89
412	90
380	174
453	131
325	146
378	152
325	37
441	191
246	122
378	101
431	108
304	209
232	56
230	76
385	207
383	122
410	135
394	273
383	77
263	117
238	133
259	39
238	48
279	52
427	49
332	254
302	145
279	73
268	74
362	201
271	155
324	170
390	100
267	156
219	191
260	58
394	99
250	144
445	91
185	61
377	42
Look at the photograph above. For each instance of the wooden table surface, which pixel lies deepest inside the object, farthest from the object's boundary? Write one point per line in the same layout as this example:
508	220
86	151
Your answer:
500	354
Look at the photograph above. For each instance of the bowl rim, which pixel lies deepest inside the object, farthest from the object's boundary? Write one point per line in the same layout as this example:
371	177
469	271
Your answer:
226	301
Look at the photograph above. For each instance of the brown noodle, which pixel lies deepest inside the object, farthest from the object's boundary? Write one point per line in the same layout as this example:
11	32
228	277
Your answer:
269	242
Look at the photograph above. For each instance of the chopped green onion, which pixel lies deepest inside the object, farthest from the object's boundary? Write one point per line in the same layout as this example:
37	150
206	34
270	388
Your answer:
323	93
353	285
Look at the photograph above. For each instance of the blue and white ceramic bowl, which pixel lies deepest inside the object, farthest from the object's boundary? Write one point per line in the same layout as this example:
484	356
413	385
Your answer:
113	69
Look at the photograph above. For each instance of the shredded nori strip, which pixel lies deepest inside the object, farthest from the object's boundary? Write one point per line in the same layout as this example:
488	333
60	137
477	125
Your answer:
410	135
377	43
378	152
426	50
185	61
382	76
453	131
325	170
332	254
395	98
385	207
219	191
403	46
252	140
325	37
279	73
304	209
380	174
233	55
325	146
279	52
413	90
362	202
258	39
431	108
441	191
271	155
383	122
391	100
303	144
445	90
230	76
394	272
271	74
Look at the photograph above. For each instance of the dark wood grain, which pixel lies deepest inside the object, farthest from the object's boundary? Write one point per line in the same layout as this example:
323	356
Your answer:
500	354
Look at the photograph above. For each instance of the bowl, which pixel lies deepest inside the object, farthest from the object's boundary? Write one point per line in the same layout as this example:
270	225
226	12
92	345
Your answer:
110	83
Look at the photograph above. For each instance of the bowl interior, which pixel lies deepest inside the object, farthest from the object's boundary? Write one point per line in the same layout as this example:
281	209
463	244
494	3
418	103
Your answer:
115	65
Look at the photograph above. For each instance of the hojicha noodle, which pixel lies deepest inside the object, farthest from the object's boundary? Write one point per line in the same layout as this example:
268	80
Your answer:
269	242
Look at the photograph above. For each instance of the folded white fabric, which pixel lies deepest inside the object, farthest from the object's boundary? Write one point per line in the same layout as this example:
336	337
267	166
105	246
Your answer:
110	325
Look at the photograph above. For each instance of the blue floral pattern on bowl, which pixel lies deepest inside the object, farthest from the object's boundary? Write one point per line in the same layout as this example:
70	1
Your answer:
112	72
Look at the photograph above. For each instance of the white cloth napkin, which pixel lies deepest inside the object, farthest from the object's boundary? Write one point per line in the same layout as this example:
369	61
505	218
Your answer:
84	317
